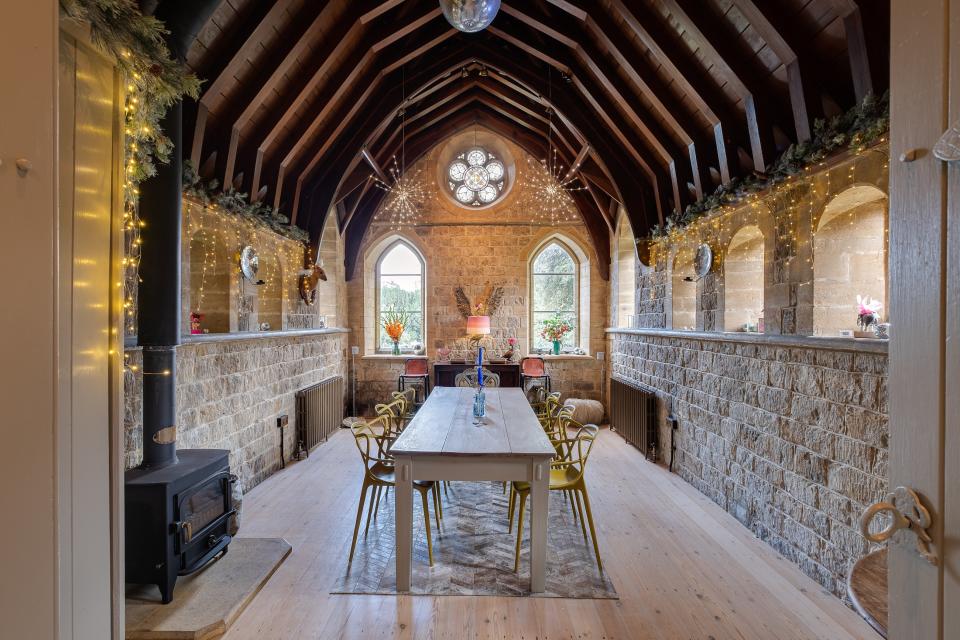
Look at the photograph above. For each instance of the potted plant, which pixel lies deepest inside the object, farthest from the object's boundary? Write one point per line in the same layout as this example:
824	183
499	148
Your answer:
394	323
554	329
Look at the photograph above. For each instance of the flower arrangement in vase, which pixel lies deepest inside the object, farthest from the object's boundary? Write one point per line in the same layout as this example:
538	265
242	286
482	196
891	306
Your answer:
511	351
868	315
553	330
394	324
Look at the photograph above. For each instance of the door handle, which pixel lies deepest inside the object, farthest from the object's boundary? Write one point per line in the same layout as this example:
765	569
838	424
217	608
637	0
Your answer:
906	512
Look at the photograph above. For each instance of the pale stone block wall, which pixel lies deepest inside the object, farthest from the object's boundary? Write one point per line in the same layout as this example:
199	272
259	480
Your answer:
231	391
476	249
791	440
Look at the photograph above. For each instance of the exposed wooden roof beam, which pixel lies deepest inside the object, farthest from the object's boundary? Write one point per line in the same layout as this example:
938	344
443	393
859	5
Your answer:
787	56
761	144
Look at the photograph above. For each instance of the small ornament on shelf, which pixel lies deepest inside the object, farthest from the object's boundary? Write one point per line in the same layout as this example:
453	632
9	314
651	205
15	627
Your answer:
868	315
511	353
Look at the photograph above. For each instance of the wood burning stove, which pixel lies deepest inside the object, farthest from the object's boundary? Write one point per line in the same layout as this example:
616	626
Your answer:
177	517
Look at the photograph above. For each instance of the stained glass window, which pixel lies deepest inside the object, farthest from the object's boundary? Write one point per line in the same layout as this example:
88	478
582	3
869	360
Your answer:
476	177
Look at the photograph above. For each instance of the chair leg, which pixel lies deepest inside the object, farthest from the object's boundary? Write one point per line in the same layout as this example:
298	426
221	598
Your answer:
583	528
373	502
436	506
426	525
593	532
511	502
356	526
516	558
378	493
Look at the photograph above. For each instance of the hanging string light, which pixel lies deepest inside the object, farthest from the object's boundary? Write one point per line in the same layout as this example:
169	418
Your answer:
547	184
408	193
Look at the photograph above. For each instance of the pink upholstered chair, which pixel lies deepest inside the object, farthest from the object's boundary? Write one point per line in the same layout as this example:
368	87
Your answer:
415	373
533	369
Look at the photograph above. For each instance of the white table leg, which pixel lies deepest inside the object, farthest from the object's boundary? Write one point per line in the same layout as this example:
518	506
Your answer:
404	520
539	494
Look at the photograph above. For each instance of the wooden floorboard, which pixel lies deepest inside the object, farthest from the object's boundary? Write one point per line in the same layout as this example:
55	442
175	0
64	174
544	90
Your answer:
683	567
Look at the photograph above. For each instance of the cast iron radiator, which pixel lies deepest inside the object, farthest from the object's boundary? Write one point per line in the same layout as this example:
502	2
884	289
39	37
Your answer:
633	413
319	412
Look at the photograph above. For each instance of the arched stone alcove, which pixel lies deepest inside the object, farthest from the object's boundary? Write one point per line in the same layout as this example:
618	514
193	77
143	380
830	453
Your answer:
743	279
849	257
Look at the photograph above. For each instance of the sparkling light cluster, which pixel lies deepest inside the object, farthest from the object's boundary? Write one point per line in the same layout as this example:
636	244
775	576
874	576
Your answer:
547	190
405	198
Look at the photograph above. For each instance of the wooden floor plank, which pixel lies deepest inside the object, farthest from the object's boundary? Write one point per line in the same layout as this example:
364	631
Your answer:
683	567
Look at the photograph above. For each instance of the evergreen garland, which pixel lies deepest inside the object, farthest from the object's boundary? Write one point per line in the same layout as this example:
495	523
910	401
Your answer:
155	81
856	129
208	194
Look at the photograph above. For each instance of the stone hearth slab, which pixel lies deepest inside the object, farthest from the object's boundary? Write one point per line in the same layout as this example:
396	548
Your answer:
206	603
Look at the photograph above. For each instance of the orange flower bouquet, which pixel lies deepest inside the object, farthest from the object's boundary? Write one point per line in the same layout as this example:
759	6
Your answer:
394	324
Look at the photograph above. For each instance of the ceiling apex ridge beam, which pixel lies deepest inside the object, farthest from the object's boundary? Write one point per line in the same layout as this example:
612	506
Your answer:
217	85
782	49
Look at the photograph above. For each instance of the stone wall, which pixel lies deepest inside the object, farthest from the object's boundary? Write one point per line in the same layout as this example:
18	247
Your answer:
230	392
788	435
789	219
477	249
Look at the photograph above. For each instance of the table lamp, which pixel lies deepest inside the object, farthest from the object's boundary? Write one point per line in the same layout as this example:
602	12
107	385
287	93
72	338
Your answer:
477	328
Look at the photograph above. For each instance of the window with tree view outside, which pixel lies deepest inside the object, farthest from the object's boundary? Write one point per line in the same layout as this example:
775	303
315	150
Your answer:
555	283
400	288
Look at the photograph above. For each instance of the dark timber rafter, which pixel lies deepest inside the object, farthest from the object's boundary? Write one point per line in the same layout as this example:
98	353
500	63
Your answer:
659	99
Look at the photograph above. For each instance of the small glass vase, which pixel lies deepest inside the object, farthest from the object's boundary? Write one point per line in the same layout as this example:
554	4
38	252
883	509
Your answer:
556	347
396	348
479	406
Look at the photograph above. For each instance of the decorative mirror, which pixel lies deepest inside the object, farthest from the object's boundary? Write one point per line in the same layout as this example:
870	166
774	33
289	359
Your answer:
703	260
249	263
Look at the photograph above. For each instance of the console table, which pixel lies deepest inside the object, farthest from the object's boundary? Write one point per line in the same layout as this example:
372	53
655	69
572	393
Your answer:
445	372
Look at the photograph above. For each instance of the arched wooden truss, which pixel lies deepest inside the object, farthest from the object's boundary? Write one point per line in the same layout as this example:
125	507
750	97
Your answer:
656	102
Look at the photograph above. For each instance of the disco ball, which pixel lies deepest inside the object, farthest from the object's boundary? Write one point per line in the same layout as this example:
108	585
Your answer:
470	16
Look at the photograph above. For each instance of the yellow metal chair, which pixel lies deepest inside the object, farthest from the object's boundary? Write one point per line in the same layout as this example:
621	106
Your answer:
566	474
372	439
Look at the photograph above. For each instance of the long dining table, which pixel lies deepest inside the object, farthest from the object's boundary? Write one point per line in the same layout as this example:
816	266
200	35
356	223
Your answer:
442	442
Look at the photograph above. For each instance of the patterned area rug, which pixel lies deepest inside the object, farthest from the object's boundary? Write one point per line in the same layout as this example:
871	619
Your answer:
473	553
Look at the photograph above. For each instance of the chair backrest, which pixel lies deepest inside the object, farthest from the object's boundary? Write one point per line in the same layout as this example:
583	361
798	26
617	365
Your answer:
394	414
408	395
533	367
372	439
469	379
415	367
574	451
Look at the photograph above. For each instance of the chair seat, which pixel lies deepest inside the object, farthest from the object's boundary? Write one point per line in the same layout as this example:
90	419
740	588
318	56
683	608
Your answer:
386	473
559	479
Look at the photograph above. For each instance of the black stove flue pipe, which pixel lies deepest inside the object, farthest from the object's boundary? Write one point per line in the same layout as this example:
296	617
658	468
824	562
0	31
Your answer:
158	296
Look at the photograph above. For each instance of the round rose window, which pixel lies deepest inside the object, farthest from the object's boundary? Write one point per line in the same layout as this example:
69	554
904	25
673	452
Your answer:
476	178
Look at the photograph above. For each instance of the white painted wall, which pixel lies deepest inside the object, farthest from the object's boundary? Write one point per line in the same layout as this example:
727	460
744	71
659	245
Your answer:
28	356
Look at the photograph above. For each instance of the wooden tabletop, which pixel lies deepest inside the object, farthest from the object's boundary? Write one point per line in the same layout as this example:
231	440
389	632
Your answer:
444	426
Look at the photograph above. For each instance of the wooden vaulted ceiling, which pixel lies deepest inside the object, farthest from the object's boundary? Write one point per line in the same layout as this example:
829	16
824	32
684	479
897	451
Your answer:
655	102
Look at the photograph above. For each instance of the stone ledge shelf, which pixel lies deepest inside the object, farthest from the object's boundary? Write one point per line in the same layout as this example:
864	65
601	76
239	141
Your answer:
833	343
253	335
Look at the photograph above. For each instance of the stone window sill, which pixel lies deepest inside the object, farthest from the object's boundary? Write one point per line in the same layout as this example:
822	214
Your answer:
563	356
390	356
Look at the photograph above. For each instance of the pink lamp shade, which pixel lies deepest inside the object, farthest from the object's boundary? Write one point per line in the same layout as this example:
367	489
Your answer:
478	325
